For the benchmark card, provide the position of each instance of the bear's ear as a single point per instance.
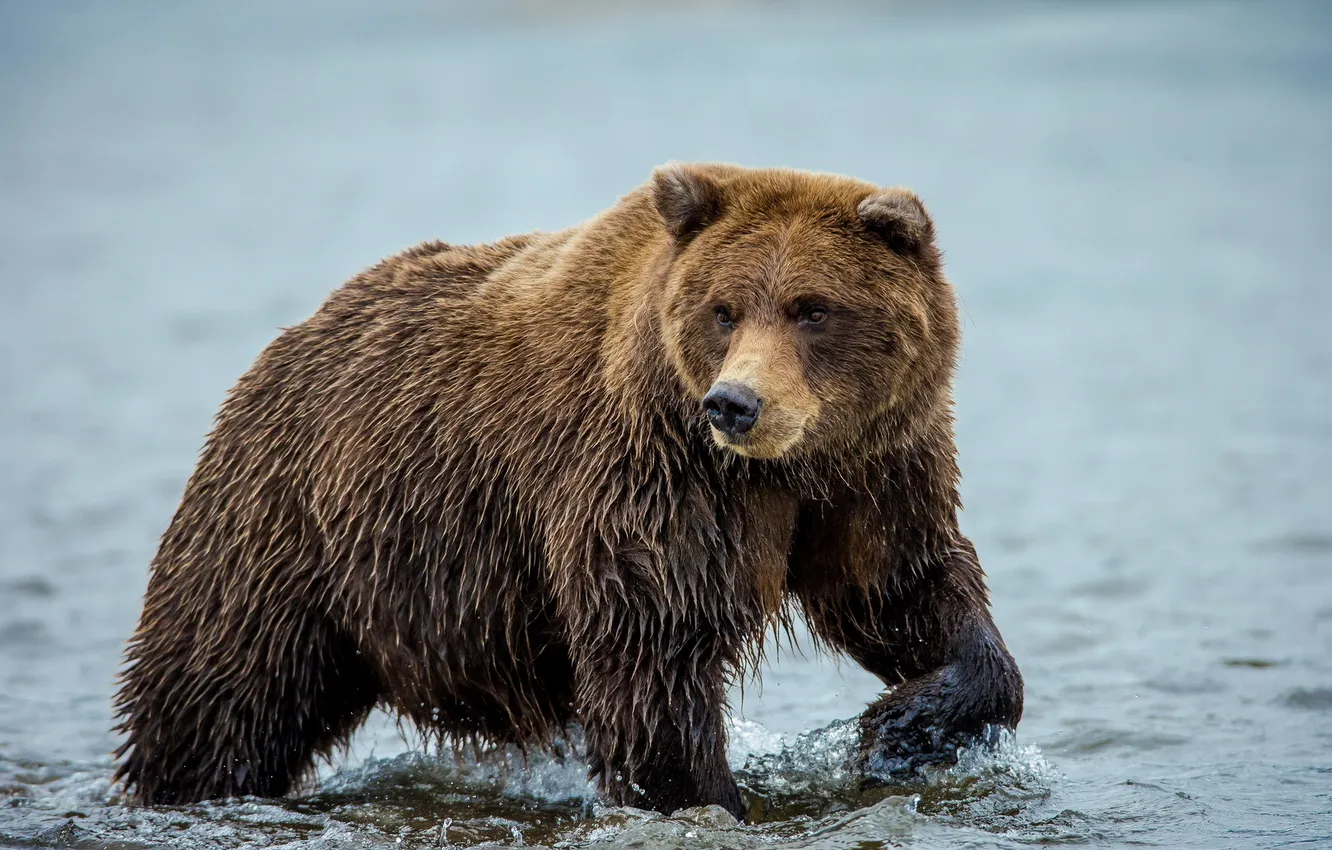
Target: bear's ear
(686, 199)
(899, 218)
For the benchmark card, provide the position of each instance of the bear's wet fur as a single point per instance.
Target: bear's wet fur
(479, 488)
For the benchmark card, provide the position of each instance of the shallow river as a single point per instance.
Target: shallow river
(1136, 201)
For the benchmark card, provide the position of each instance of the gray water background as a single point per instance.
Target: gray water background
(1136, 204)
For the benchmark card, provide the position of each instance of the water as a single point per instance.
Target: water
(1135, 200)
(800, 795)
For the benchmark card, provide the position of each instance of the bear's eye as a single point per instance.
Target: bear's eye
(814, 316)
(724, 317)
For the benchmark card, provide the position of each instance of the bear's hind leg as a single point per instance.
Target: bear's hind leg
(237, 707)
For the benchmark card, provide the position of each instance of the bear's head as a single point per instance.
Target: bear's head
(805, 313)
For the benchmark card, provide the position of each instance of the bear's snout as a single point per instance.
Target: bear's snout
(732, 408)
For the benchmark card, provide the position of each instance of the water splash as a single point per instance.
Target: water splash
(558, 776)
(810, 768)
(802, 792)
(999, 787)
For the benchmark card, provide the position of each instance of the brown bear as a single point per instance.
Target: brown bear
(575, 477)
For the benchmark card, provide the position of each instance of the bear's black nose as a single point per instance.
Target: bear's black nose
(732, 408)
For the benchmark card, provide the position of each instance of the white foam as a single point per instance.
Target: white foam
(1017, 764)
(811, 762)
(538, 775)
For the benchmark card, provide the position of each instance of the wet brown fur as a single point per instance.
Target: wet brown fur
(476, 488)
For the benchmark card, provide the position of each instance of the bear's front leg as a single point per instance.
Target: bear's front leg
(651, 697)
(927, 719)
(930, 636)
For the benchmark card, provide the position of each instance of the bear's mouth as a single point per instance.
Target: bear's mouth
(739, 445)
(753, 445)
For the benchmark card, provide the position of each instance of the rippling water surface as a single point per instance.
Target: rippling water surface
(799, 793)
(1136, 202)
